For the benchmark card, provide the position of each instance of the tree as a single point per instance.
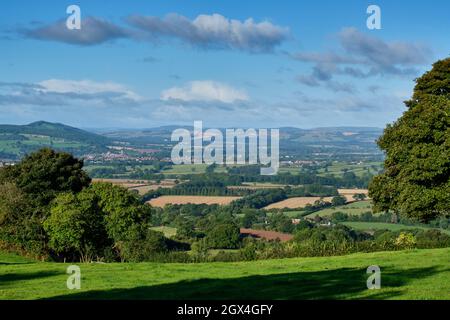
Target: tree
(338, 201)
(416, 179)
(76, 224)
(124, 213)
(359, 196)
(45, 173)
(224, 236)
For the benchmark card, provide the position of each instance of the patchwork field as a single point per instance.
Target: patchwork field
(300, 202)
(163, 200)
(411, 274)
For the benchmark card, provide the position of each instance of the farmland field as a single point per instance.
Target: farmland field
(354, 208)
(296, 202)
(141, 186)
(410, 274)
(338, 168)
(163, 200)
(168, 232)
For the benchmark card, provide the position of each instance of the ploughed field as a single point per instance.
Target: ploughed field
(409, 274)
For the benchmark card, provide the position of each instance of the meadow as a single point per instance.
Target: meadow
(354, 208)
(371, 226)
(409, 274)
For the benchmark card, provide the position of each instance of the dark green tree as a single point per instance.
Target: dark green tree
(416, 178)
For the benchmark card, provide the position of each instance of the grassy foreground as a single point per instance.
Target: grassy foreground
(412, 274)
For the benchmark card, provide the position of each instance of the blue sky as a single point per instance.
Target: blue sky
(137, 64)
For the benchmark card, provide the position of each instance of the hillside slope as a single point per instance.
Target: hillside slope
(17, 140)
(411, 274)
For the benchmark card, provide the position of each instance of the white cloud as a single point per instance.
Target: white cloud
(214, 31)
(205, 91)
(87, 87)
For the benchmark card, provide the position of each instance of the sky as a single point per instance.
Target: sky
(228, 63)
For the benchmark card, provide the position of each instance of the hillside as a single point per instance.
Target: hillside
(410, 274)
(17, 140)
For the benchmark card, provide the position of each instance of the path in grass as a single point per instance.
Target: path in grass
(416, 274)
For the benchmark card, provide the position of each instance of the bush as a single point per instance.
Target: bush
(140, 248)
(405, 240)
(224, 236)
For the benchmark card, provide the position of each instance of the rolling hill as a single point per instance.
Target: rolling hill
(18, 140)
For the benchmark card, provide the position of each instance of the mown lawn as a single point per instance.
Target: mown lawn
(414, 274)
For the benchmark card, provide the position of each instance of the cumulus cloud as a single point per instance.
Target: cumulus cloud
(362, 56)
(93, 31)
(214, 31)
(205, 91)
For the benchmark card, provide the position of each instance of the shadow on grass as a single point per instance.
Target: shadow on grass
(341, 283)
(9, 278)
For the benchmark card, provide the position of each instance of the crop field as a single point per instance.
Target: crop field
(300, 202)
(296, 202)
(410, 274)
(163, 200)
(141, 186)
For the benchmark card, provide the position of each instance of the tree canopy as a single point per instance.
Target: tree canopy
(416, 179)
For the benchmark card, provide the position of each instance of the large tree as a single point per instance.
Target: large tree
(416, 179)
(45, 173)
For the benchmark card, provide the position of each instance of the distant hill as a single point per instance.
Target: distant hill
(349, 143)
(340, 143)
(18, 140)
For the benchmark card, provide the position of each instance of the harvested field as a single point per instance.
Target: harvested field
(142, 186)
(267, 235)
(297, 202)
(163, 200)
(353, 191)
(349, 193)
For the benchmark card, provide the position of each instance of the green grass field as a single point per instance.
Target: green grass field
(413, 274)
(338, 168)
(368, 226)
(355, 208)
(168, 232)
